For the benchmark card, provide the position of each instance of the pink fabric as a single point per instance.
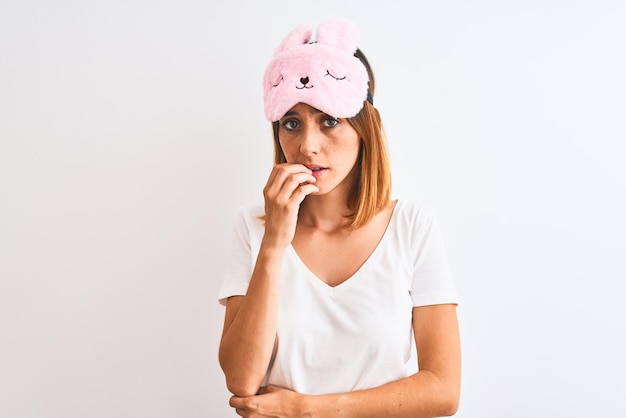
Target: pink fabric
(324, 74)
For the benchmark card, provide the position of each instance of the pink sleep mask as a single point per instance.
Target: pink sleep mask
(324, 74)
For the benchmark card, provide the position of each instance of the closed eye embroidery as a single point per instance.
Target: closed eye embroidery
(336, 78)
(278, 82)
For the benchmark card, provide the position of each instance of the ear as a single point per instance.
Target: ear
(299, 36)
(339, 33)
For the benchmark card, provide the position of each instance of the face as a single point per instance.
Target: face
(327, 146)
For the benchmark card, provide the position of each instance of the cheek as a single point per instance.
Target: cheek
(288, 149)
(350, 145)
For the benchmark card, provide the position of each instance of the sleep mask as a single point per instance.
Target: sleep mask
(324, 73)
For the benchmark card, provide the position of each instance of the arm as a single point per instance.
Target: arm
(431, 392)
(249, 330)
(249, 333)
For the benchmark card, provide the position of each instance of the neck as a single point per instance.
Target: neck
(328, 212)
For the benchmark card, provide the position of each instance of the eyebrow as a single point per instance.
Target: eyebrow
(295, 112)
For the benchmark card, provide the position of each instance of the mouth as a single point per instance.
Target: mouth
(316, 171)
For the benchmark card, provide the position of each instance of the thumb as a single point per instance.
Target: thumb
(268, 389)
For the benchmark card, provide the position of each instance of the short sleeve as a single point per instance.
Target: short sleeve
(239, 262)
(432, 282)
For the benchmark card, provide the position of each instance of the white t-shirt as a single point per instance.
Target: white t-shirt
(358, 334)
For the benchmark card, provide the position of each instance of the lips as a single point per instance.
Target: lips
(316, 170)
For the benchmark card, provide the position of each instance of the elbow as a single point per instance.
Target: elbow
(448, 407)
(448, 402)
(239, 384)
(242, 387)
(445, 394)
(240, 381)
(445, 406)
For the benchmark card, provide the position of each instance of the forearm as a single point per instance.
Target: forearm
(248, 341)
(432, 392)
(418, 396)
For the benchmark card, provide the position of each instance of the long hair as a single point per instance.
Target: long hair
(371, 189)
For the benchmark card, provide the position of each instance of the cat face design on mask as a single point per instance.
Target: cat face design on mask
(324, 74)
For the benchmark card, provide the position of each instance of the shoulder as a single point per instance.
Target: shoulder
(416, 223)
(251, 211)
(249, 219)
(410, 212)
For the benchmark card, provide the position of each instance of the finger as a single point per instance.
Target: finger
(296, 180)
(284, 170)
(303, 191)
(281, 175)
(286, 184)
(238, 402)
(296, 167)
(270, 388)
(267, 389)
(289, 168)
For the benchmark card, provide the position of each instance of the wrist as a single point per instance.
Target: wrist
(322, 406)
(308, 406)
(273, 245)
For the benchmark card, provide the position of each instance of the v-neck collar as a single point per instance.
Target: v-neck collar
(354, 277)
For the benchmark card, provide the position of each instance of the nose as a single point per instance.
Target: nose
(304, 80)
(311, 140)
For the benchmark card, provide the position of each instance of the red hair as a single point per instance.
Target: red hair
(371, 190)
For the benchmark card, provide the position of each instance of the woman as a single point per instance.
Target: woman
(330, 279)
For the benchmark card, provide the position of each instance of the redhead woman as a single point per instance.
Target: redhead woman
(330, 281)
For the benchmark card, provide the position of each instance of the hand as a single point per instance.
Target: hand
(286, 188)
(273, 402)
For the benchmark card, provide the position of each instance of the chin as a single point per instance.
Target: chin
(322, 191)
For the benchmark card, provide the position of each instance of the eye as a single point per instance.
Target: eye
(330, 122)
(291, 124)
(335, 77)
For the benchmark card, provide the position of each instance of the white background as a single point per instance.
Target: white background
(131, 131)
